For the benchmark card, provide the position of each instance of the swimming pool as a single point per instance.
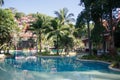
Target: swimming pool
(55, 68)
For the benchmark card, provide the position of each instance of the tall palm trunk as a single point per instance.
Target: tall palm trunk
(104, 43)
(37, 42)
(40, 42)
(57, 46)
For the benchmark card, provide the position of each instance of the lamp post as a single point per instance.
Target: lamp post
(103, 37)
(89, 34)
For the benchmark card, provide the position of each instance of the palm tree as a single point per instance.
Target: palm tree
(56, 31)
(39, 25)
(1, 2)
(67, 42)
(59, 25)
(64, 17)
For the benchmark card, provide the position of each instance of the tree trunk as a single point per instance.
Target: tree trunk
(37, 41)
(89, 40)
(57, 46)
(103, 37)
(37, 45)
(112, 46)
(40, 43)
(104, 44)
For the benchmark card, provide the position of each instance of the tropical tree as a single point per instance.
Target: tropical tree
(84, 19)
(59, 26)
(56, 31)
(7, 24)
(67, 42)
(117, 35)
(39, 26)
(102, 9)
(95, 11)
(64, 16)
(18, 15)
(81, 24)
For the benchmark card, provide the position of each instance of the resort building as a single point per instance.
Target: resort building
(106, 35)
(25, 37)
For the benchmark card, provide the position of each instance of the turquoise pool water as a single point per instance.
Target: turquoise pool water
(56, 64)
(55, 68)
(55, 50)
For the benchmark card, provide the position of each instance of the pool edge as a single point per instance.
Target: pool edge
(110, 67)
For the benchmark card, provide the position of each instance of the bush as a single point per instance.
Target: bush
(89, 57)
(118, 49)
(115, 64)
(107, 58)
(8, 55)
(94, 51)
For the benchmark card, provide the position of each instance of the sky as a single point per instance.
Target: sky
(44, 6)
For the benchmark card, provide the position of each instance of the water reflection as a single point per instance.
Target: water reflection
(55, 69)
(47, 64)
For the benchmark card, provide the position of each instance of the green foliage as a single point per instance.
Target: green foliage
(115, 64)
(64, 16)
(35, 15)
(107, 58)
(7, 18)
(117, 35)
(81, 26)
(94, 51)
(89, 57)
(99, 9)
(39, 26)
(66, 42)
(18, 15)
(56, 30)
(41, 22)
(45, 53)
(60, 27)
(96, 34)
(118, 49)
(7, 24)
(8, 55)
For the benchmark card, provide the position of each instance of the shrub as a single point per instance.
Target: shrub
(115, 64)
